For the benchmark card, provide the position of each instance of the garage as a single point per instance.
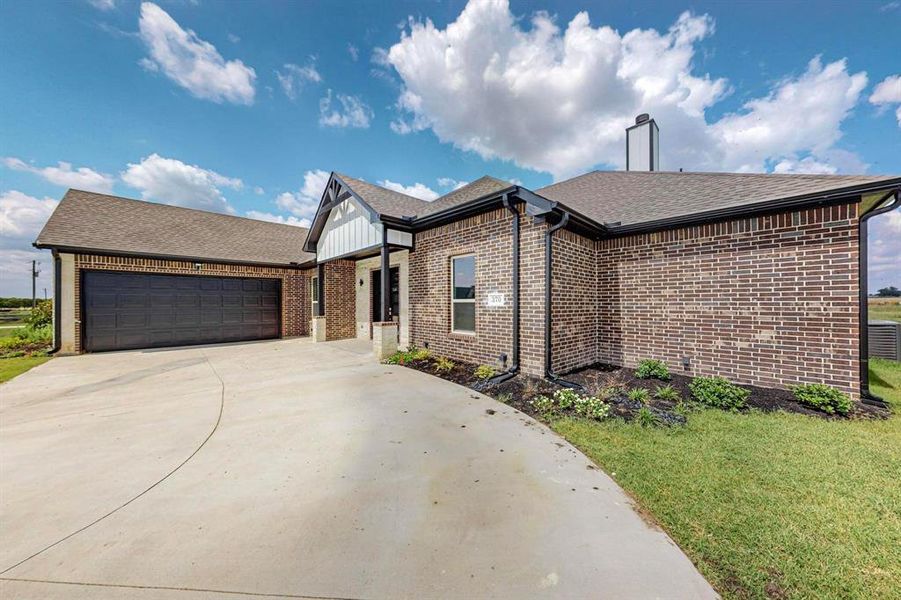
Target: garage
(124, 310)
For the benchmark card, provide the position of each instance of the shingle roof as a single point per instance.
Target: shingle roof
(86, 220)
(631, 197)
(471, 191)
(385, 201)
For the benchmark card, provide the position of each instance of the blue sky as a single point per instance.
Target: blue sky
(244, 107)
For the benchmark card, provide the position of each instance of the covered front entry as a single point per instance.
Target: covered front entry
(369, 293)
(375, 295)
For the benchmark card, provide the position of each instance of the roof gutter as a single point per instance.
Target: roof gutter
(866, 396)
(848, 194)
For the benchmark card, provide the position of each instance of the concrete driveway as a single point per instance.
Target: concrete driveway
(293, 469)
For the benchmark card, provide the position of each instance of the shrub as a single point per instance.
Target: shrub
(504, 398)
(822, 397)
(565, 398)
(645, 417)
(668, 393)
(41, 315)
(652, 369)
(403, 357)
(639, 395)
(484, 372)
(443, 365)
(27, 339)
(719, 392)
(591, 407)
(544, 405)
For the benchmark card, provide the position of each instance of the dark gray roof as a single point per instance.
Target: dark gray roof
(471, 191)
(385, 201)
(631, 197)
(90, 221)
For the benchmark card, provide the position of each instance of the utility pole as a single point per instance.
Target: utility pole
(34, 283)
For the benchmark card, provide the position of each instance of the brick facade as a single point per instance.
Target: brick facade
(769, 301)
(340, 300)
(295, 286)
(488, 237)
(574, 324)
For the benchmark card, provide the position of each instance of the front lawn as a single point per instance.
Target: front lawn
(11, 367)
(769, 504)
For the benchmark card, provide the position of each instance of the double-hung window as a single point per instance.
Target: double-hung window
(314, 295)
(463, 294)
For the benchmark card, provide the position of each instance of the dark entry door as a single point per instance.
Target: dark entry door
(140, 310)
(376, 293)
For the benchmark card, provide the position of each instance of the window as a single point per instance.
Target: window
(314, 295)
(463, 294)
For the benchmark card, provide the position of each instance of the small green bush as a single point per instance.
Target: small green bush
(652, 369)
(822, 397)
(544, 405)
(639, 395)
(443, 365)
(565, 398)
(645, 417)
(41, 315)
(403, 357)
(719, 392)
(27, 338)
(484, 372)
(504, 398)
(668, 393)
(591, 407)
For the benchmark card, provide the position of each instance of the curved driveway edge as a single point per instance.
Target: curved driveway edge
(329, 476)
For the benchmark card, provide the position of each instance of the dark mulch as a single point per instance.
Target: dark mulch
(522, 389)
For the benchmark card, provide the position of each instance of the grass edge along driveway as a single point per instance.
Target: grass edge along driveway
(769, 505)
(13, 367)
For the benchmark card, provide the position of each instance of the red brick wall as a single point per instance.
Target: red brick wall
(769, 301)
(574, 302)
(294, 284)
(340, 300)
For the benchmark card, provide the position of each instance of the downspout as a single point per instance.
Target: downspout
(57, 285)
(866, 396)
(548, 284)
(514, 368)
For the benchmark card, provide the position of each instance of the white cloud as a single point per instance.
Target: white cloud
(63, 174)
(884, 249)
(191, 62)
(304, 202)
(21, 219)
(417, 190)
(264, 216)
(353, 51)
(559, 99)
(103, 4)
(888, 92)
(454, 184)
(295, 77)
(234, 39)
(353, 112)
(171, 181)
(807, 165)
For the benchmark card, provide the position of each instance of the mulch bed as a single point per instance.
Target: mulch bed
(519, 391)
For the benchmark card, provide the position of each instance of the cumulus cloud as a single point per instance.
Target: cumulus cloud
(417, 190)
(21, 219)
(559, 99)
(191, 62)
(171, 181)
(304, 202)
(808, 165)
(888, 92)
(453, 184)
(265, 216)
(353, 112)
(63, 174)
(295, 77)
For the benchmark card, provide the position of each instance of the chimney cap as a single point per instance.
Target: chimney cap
(642, 118)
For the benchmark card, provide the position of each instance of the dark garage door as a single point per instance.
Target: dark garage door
(138, 310)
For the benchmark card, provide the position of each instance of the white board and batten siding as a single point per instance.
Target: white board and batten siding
(349, 229)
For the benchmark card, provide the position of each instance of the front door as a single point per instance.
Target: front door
(376, 296)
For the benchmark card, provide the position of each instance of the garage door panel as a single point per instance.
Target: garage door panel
(140, 310)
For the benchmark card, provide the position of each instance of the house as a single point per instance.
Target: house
(756, 277)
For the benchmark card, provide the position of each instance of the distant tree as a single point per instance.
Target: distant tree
(889, 292)
(15, 302)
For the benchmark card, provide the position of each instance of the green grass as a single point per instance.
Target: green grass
(770, 504)
(11, 367)
(884, 311)
(8, 332)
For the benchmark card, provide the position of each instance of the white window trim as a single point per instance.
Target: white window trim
(314, 296)
(462, 300)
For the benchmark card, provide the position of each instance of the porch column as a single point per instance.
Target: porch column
(384, 333)
(318, 326)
